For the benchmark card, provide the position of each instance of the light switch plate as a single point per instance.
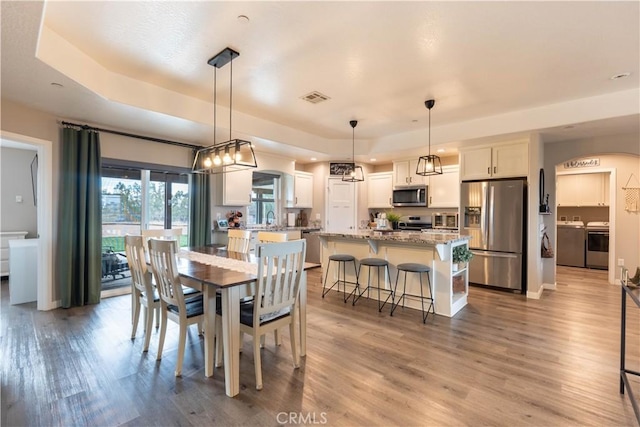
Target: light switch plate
(18, 199)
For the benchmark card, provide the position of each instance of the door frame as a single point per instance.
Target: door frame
(44, 212)
(611, 269)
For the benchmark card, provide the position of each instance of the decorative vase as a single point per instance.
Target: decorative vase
(457, 266)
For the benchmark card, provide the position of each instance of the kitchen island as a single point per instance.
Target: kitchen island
(450, 282)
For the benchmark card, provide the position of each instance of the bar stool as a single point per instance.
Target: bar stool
(342, 260)
(411, 267)
(377, 263)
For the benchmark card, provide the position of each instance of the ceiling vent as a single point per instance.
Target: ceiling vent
(315, 97)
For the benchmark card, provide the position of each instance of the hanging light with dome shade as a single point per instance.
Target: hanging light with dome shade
(429, 164)
(354, 173)
(234, 154)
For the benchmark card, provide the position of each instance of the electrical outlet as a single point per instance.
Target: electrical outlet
(621, 262)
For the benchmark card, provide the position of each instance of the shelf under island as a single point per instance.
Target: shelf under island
(450, 284)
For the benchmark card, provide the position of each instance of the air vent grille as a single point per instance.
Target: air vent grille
(315, 97)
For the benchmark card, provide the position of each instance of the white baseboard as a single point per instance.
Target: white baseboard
(538, 294)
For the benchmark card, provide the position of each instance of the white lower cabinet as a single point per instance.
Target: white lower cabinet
(5, 236)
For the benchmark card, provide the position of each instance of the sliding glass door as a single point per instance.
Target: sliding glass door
(133, 200)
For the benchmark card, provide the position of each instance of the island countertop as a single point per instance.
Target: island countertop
(426, 238)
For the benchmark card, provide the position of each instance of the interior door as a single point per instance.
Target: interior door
(341, 206)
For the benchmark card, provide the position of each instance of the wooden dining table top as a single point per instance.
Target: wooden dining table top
(219, 276)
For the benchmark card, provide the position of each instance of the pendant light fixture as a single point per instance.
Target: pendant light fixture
(355, 174)
(429, 164)
(231, 155)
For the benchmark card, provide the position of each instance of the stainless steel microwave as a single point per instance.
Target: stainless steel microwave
(410, 196)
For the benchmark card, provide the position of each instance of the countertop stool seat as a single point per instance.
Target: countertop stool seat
(376, 263)
(341, 260)
(412, 267)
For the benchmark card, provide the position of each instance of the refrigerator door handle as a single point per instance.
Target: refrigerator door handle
(494, 254)
(490, 218)
(483, 216)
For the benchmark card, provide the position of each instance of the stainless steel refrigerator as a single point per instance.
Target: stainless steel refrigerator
(494, 216)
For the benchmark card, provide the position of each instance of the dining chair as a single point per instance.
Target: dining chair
(280, 269)
(144, 293)
(239, 241)
(271, 237)
(174, 305)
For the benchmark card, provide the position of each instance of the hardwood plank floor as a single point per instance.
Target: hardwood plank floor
(502, 361)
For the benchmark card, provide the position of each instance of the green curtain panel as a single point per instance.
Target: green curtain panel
(200, 210)
(79, 254)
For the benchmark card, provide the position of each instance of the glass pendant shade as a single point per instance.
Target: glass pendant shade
(429, 164)
(356, 173)
(237, 153)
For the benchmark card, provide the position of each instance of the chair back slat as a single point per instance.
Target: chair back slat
(280, 268)
(162, 254)
(162, 234)
(140, 275)
(239, 241)
(271, 237)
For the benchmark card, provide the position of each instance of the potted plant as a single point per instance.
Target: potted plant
(393, 219)
(461, 256)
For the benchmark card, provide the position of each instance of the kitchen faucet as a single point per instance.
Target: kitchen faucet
(273, 219)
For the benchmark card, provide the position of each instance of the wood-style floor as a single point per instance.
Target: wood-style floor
(502, 361)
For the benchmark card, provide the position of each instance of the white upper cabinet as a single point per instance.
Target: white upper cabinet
(379, 189)
(404, 174)
(236, 187)
(303, 185)
(499, 161)
(444, 190)
(586, 189)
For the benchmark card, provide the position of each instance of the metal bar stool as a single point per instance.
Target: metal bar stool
(377, 263)
(342, 260)
(411, 267)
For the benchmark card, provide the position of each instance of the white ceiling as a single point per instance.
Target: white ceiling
(495, 69)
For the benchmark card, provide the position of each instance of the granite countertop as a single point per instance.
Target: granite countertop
(275, 228)
(427, 238)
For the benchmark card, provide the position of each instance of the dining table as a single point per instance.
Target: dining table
(211, 269)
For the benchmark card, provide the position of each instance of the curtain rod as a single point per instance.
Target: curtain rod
(132, 135)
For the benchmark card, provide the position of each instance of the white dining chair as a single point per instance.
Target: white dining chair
(280, 269)
(143, 291)
(239, 241)
(272, 237)
(174, 305)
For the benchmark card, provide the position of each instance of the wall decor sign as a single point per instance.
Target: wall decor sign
(581, 163)
(340, 168)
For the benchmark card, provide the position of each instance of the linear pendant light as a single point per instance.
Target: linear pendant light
(231, 155)
(356, 174)
(429, 164)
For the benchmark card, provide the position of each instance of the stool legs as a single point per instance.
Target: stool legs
(430, 308)
(326, 290)
(368, 288)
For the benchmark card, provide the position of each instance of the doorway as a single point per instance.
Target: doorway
(341, 206)
(44, 207)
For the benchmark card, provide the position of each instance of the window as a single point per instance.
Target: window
(264, 193)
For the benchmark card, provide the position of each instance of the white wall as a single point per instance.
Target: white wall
(15, 181)
(620, 153)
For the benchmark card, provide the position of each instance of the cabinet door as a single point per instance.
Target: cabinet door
(444, 190)
(404, 173)
(593, 189)
(401, 174)
(379, 189)
(510, 160)
(475, 163)
(303, 190)
(236, 187)
(565, 190)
